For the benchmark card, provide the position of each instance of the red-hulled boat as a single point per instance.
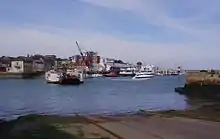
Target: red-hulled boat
(111, 74)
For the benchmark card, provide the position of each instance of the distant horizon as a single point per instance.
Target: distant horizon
(162, 33)
(144, 63)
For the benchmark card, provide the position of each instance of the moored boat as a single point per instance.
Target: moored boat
(111, 74)
(71, 80)
(52, 76)
(58, 77)
(127, 73)
(93, 75)
(143, 75)
(96, 75)
(159, 74)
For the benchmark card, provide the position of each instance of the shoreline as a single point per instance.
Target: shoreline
(99, 126)
(197, 110)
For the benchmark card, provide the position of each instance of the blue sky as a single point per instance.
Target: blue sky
(162, 32)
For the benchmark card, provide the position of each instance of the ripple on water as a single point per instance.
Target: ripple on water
(95, 96)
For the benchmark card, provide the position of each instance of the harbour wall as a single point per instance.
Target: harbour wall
(202, 85)
(8, 75)
(203, 78)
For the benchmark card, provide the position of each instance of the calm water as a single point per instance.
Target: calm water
(95, 96)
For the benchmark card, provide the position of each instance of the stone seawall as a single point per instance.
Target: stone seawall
(202, 85)
(202, 78)
(7, 75)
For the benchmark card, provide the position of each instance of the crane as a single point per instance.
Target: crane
(81, 53)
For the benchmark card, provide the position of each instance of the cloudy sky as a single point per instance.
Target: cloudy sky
(162, 32)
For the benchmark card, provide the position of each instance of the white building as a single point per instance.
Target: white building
(21, 66)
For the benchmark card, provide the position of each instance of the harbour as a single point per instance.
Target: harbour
(95, 96)
(94, 69)
(106, 97)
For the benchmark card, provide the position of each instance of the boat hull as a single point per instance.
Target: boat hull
(70, 81)
(111, 74)
(143, 77)
(127, 75)
(66, 81)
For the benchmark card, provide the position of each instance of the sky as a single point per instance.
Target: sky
(166, 33)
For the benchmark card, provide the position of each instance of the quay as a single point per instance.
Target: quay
(7, 75)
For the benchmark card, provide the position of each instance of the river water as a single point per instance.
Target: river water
(95, 96)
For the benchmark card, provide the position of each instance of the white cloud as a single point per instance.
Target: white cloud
(157, 13)
(37, 39)
(117, 4)
(62, 42)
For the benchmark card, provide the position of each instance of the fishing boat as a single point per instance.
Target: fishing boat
(58, 77)
(143, 75)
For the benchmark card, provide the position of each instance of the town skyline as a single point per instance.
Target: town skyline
(162, 33)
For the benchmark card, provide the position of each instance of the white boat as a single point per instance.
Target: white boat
(143, 75)
(127, 72)
(77, 73)
(93, 75)
(80, 75)
(52, 76)
(159, 74)
(96, 75)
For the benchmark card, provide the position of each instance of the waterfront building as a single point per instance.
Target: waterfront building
(21, 66)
